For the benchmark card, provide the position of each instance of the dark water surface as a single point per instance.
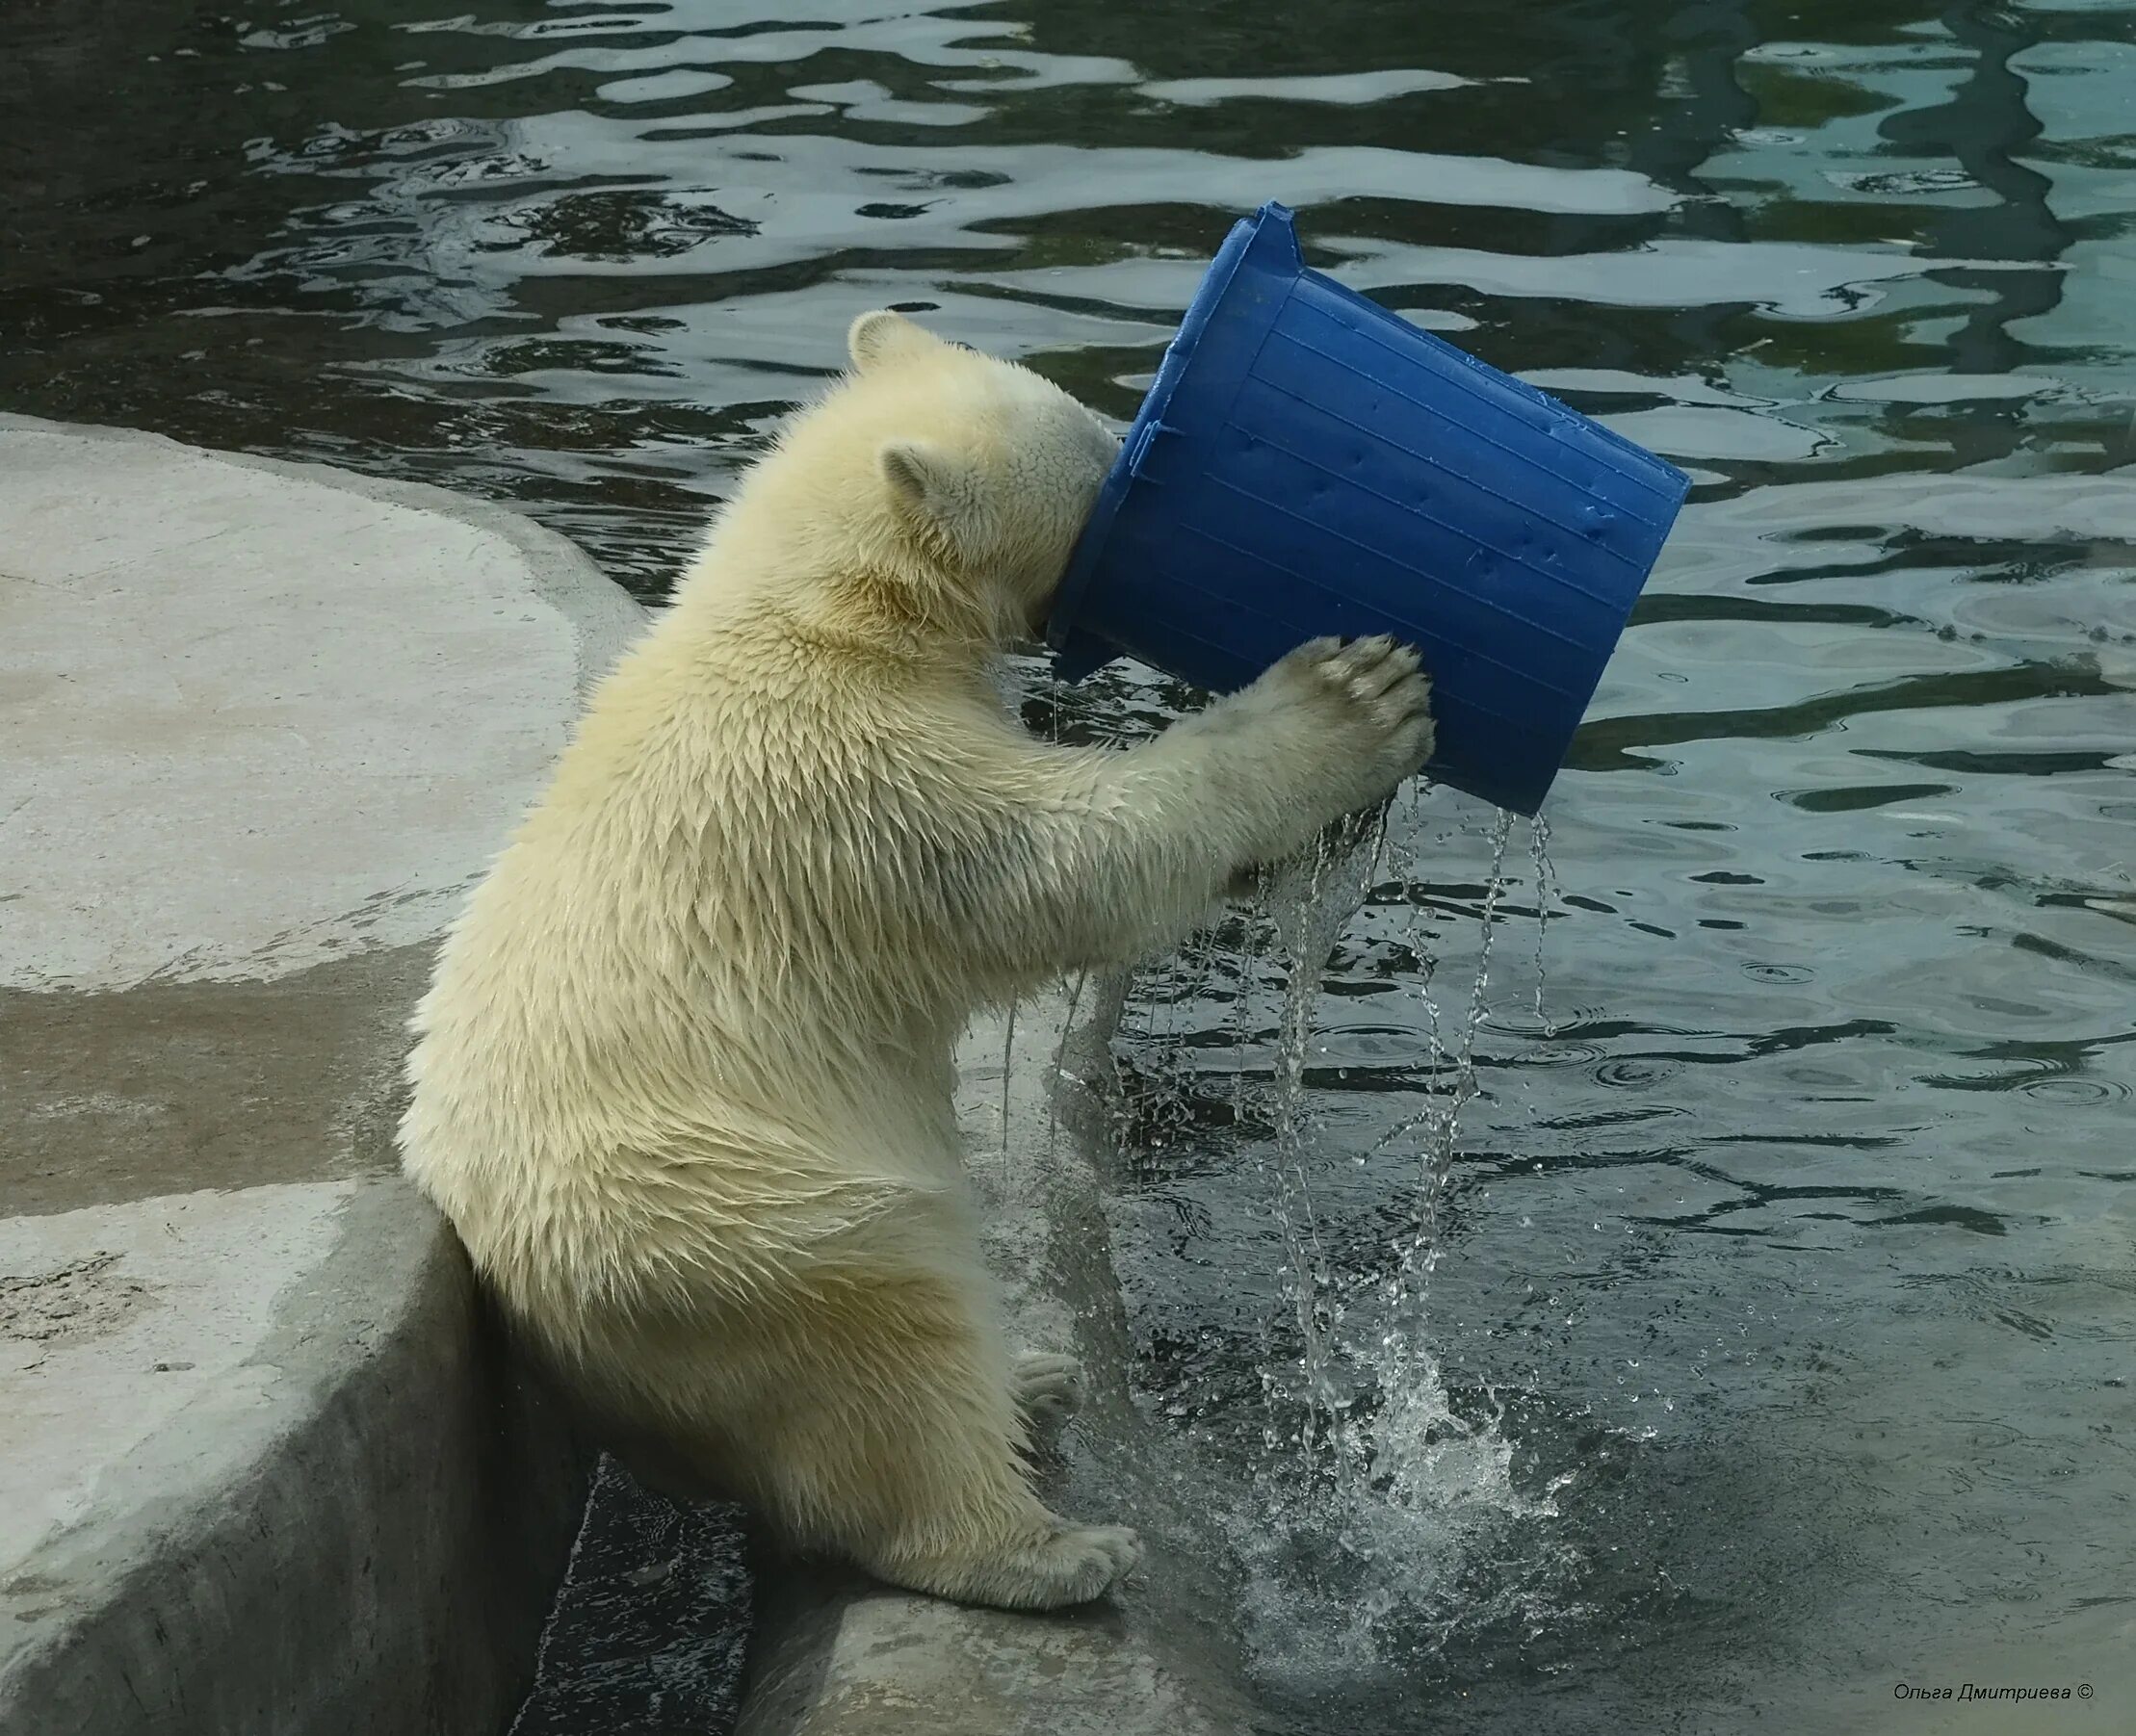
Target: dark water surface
(1784, 1301)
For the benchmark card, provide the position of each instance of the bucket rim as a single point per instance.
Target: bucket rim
(1062, 635)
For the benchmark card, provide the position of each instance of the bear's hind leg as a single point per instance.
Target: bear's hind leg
(898, 1443)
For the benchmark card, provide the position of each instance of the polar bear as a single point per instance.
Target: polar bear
(683, 1079)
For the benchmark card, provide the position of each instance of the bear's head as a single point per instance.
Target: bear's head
(984, 471)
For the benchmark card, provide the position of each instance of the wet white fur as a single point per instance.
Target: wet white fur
(684, 1078)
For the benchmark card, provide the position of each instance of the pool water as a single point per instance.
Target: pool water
(1777, 1336)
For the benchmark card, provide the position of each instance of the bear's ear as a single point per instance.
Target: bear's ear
(932, 487)
(883, 336)
(922, 476)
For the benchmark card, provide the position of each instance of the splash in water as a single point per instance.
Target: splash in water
(1386, 1494)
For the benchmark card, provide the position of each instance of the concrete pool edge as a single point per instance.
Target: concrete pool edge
(835, 1654)
(267, 1467)
(360, 1533)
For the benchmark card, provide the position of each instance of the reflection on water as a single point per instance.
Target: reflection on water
(1789, 1254)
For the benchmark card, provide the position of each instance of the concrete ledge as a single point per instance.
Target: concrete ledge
(351, 1524)
(260, 716)
(265, 1469)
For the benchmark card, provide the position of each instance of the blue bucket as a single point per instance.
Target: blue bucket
(1309, 463)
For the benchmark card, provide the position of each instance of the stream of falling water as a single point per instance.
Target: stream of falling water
(1311, 900)
(1377, 1514)
(1380, 1487)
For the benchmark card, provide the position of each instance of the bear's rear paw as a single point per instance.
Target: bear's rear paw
(1048, 1388)
(1080, 1564)
(1070, 1565)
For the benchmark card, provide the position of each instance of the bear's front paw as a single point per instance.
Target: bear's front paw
(1364, 708)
